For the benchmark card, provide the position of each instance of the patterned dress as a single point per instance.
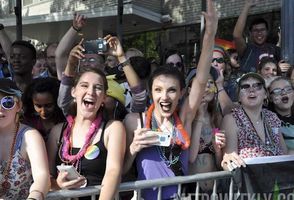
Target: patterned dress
(250, 144)
(20, 175)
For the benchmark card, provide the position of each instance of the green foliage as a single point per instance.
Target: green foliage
(145, 42)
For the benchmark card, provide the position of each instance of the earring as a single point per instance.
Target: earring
(265, 102)
(74, 100)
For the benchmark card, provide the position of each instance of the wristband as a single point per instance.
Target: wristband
(76, 29)
(1, 27)
(220, 90)
(123, 64)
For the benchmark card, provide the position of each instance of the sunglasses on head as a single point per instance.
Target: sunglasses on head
(7, 102)
(218, 60)
(279, 91)
(255, 86)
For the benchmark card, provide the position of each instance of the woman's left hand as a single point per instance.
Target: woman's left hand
(219, 141)
(115, 47)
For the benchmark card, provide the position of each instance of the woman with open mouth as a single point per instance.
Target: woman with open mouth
(281, 102)
(251, 130)
(159, 138)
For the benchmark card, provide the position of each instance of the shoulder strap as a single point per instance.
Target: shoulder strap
(61, 133)
(19, 138)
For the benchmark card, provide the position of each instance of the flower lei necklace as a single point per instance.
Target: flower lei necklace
(67, 134)
(184, 145)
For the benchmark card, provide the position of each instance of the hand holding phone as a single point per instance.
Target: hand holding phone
(71, 170)
(164, 138)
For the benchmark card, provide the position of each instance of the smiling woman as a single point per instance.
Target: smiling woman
(251, 130)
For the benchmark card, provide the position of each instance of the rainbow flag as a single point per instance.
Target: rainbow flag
(225, 44)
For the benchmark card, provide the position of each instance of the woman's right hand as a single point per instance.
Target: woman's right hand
(76, 54)
(64, 183)
(142, 139)
(232, 161)
(78, 21)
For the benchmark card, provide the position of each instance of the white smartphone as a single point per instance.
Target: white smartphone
(71, 170)
(164, 138)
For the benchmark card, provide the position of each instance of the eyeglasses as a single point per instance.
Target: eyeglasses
(279, 91)
(218, 60)
(90, 60)
(255, 86)
(7, 102)
(178, 65)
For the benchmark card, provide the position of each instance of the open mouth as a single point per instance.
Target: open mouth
(285, 99)
(166, 107)
(88, 103)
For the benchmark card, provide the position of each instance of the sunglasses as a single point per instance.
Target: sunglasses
(178, 65)
(8, 102)
(279, 91)
(218, 60)
(255, 86)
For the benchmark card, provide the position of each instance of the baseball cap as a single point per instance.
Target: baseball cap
(251, 75)
(8, 86)
(115, 90)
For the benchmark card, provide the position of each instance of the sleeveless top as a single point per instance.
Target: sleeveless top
(20, 174)
(249, 143)
(287, 130)
(91, 165)
(151, 166)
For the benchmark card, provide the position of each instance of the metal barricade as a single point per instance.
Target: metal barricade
(137, 186)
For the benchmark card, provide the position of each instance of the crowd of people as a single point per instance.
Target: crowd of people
(114, 116)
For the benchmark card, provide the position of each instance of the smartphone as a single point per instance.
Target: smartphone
(98, 46)
(71, 170)
(164, 138)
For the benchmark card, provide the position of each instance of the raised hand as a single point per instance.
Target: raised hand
(250, 3)
(211, 18)
(79, 21)
(115, 47)
(76, 54)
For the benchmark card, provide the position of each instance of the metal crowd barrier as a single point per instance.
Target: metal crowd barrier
(137, 186)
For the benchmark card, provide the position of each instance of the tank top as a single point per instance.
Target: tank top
(20, 174)
(90, 166)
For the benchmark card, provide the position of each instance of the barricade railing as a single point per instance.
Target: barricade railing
(137, 186)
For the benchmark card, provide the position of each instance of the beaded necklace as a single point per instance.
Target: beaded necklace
(170, 155)
(5, 184)
(178, 124)
(67, 156)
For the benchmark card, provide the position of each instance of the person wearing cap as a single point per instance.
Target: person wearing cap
(251, 130)
(24, 163)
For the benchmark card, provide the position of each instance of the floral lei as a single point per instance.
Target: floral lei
(67, 134)
(184, 145)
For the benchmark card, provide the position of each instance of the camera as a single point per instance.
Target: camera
(164, 138)
(6, 70)
(98, 46)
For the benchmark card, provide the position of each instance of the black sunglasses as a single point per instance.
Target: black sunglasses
(7, 102)
(255, 86)
(218, 60)
(279, 91)
(178, 65)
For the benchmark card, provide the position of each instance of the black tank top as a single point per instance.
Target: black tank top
(93, 169)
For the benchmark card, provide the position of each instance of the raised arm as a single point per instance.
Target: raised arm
(67, 42)
(139, 92)
(64, 96)
(240, 26)
(199, 82)
(5, 42)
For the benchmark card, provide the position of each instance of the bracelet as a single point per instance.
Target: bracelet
(123, 64)
(41, 193)
(1, 27)
(220, 90)
(76, 29)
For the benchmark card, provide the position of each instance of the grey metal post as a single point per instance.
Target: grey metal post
(287, 30)
(18, 13)
(120, 12)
